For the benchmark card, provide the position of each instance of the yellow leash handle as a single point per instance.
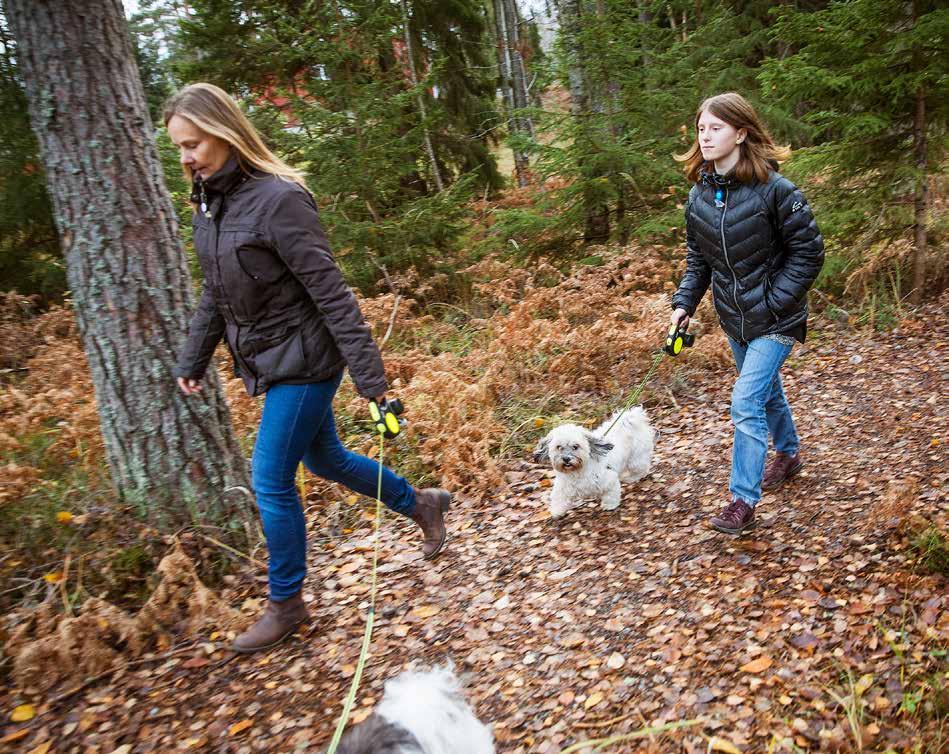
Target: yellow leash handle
(385, 417)
(677, 339)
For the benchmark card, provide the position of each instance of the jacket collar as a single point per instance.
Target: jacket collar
(225, 180)
(708, 177)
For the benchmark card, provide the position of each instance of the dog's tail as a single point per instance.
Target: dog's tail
(630, 418)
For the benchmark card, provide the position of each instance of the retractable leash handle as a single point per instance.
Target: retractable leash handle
(385, 417)
(677, 339)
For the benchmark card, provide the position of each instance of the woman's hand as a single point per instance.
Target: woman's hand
(380, 399)
(189, 386)
(680, 317)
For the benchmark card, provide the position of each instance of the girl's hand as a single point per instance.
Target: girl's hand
(189, 386)
(680, 317)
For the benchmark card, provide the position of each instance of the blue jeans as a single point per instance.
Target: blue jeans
(298, 424)
(759, 408)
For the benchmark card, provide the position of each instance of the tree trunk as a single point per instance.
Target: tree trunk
(513, 80)
(176, 458)
(420, 99)
(921, 200)
(597, 220)
(921, 194)
(568, 12)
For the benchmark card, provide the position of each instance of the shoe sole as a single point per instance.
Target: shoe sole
(444, 504)
(787, 477)
(735, 532)
(263, 648)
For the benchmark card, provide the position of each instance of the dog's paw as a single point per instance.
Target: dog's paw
(558, 509)
(609, 505)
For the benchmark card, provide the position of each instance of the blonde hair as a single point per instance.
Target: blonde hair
(214, 111)
(759, 154)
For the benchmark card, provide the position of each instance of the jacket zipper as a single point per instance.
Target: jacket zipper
(741, 314)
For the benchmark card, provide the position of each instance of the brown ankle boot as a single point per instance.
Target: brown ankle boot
(781, 468)
(737, 518)
(429, 506)
(277, 623)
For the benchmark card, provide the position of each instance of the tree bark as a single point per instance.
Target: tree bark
(513, 79)
(921, 200)
(921, 193)
(176, 458)
(420, 99)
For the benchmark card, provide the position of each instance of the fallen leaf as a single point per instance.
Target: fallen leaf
(426, 611)
(23, 713)
(54, 577)
(195, 662)
(64, 517)
(806, 641)
(756, 666)
(722, 744)
(616, 661)
(594, 699)
(238, 727)
(43, 748)
(16, 735)
(861, 686)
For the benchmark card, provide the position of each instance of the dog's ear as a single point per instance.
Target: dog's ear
(598, 446)
(542, 451)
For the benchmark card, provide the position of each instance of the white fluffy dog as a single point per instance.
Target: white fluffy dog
(421, 712)
(592, 464)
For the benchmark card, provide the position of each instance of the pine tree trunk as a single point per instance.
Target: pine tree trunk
(420, 99)
(597, 222)
(568, 12)
(176, 458)
(921, 197)
(513, 80)
(921, 200)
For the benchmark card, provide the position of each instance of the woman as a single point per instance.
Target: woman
(751, 235)
(274, 293)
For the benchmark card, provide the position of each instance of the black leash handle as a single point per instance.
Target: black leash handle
(677, 339)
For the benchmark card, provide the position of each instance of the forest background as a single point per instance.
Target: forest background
(497, 180)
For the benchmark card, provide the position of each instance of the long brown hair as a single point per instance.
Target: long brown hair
(759, 153)
(213, 110)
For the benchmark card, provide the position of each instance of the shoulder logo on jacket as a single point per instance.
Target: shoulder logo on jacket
(797, 206)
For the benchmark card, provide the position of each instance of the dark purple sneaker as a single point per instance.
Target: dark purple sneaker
(737, 518)
(781, 468)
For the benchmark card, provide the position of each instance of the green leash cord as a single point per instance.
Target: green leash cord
(370, 618)
(677, 339)
(637, 391)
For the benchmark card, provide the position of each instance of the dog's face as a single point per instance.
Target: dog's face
(569, 448)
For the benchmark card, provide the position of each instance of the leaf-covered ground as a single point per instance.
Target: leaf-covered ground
(821, 631)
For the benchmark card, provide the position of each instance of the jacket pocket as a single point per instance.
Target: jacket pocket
(275, 355)
(767, 300)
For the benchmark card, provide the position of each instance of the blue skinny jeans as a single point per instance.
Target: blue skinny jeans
(759, 408)
(298, 424)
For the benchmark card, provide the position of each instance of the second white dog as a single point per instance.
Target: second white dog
(593, 464)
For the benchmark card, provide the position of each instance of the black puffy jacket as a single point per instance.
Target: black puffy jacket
(759, 247)
(273, 290)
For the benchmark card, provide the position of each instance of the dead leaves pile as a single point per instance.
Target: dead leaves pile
(49, 648)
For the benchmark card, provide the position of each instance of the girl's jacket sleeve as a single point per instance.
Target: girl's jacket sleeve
(803, 248)
(698, 274)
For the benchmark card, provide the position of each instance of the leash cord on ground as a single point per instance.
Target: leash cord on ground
(634, 396)
(370, 618)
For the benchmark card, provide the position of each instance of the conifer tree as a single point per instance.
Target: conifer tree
(873, 77)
